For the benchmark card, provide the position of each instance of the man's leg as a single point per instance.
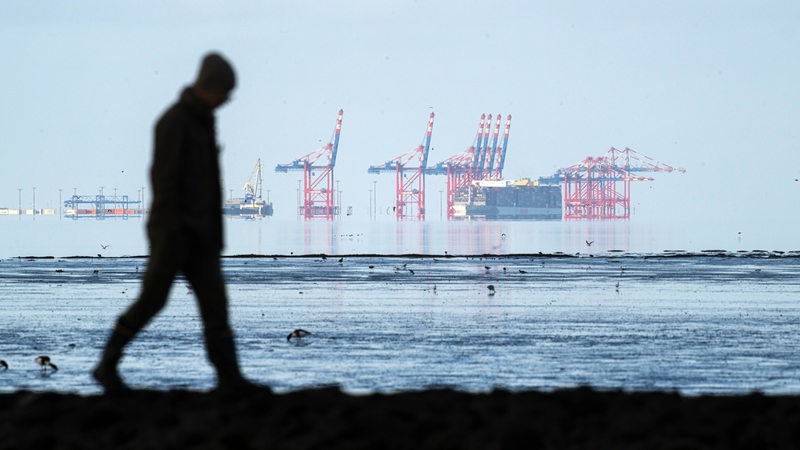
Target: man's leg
(165, 259)
(204, 272)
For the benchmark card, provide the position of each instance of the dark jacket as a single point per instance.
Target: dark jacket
(187, 193)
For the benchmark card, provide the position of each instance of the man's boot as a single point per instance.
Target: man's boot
(106, 373)
(222, 354)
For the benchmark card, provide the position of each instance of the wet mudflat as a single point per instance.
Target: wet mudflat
(718, 323)
(666, 350)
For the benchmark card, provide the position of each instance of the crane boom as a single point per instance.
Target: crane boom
(505, 147)
(318, 192)
(409, 187)
(490, 168)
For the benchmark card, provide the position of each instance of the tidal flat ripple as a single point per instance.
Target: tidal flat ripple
(707, 322)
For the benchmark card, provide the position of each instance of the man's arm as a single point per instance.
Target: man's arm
(166, 171)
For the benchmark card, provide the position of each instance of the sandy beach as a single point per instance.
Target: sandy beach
(327, 418)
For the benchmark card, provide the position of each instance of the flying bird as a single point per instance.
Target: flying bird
(105, 246)
(44, 362)
(298, 334)
(589, 243)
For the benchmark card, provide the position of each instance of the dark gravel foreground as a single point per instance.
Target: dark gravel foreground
(326, 418)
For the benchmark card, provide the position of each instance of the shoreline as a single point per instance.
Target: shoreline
(612, 254)
(437, 418)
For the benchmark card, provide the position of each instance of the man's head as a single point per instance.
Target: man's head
(215, 80)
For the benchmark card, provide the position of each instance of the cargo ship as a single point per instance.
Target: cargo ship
(251, 206)
(508, 200)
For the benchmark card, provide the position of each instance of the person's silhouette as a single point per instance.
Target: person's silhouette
(185, 227)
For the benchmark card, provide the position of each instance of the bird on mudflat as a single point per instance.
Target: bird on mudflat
(491, 289)
(298, 334)
(44, 362)
(3, 364)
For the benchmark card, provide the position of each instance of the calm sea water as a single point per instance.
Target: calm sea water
(706, 322)
(51, 236)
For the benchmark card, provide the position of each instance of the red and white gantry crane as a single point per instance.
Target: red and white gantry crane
(599, 188)
(317, 167)
(409, 180)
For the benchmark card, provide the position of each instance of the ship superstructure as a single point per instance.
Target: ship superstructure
(252, 205)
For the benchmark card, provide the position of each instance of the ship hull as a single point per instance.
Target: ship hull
(247, 210)
(507, 201)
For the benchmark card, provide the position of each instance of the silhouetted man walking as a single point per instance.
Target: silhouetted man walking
(185, 227)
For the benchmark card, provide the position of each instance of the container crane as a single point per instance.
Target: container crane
(599, 188)
(317, 167)
(493, 169)
(252, 187)
(480, 147)
(409, 181)
(462, 169)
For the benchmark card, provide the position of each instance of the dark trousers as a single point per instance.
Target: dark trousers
(170, 254)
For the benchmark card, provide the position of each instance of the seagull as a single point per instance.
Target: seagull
(523, 271)
(105, 246)
(491, 289)
(44, 362)
(589, 243)
(3, 364)
(298, 333)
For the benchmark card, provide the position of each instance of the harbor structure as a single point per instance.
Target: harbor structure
(102, 206)
(252, 205)
(409, 180)
(317, 167)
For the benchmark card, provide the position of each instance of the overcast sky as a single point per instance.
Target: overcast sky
(710, 86)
